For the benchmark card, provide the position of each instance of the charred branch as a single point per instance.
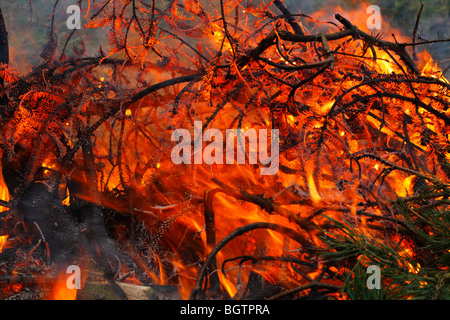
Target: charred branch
(4, 47)
(198, 293)
(289, 17)
(88, 145)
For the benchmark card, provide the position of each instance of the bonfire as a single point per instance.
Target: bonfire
(218, 150)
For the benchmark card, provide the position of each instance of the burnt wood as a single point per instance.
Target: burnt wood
(4, 48)
(45, 216)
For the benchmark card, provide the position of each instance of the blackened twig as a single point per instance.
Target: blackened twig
(313, 284)
(4, 53)
(4, 203)
(268, 258)
(210, 229)
(4, 48)
(197, 293)
(119, 105)
(415, 31)
(288, 16)
(398, 48)
(397, 167)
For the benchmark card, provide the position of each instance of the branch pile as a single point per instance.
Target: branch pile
(363, 152)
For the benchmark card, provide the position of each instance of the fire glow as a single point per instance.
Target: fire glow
(213, 153)
(339, 124)
(3, 240)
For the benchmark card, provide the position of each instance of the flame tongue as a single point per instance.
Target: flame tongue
(3, 240)
(315, 196)
(60, 290)
(360, 110)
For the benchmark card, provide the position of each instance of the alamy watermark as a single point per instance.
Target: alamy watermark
(74, 20)
(374, 280)
(74, 280)
(374, 21)
(214, 153)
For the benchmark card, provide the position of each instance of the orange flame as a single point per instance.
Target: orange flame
(315, 196)
(4, 192)
(2, 242)
(61, 291)
(229, 212)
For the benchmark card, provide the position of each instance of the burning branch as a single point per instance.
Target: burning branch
(197, 291)
(4, 47)
(88, 154)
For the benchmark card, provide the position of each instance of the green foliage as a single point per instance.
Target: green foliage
(356, 285)
(414, 267)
